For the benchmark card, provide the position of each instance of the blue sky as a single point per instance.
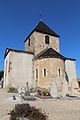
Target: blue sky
(19, 17)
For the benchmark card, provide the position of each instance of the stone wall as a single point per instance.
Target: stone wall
(6, 71)
(38, 43)
(19, 69)
(70, 66)
(52, 66)
(30, 48)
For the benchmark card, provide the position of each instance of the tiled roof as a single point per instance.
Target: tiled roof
(43, 28)
(49, 52)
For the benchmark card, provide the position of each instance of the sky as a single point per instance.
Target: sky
(19, 17)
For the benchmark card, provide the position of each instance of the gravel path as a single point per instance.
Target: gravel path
(56, 109)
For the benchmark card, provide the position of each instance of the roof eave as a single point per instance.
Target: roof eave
(73, 59)
(42, 57)
(40, 32)
(13, 50)
(47, 33)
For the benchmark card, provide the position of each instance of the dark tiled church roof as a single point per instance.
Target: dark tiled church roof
(49, 52)
(43, 28)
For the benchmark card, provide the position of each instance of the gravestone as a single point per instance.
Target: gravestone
(27, 92)
(53, 89)
(27, 95)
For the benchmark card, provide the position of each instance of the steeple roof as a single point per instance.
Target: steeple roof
(43, 28)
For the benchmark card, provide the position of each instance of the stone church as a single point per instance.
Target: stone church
(41, 64)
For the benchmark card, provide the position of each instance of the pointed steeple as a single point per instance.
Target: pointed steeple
(43, 28)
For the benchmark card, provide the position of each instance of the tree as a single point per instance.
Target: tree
(1, 74)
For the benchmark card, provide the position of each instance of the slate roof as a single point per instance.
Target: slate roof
(49, 52)
(43, 28)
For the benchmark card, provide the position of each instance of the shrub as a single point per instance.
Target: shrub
(13, 90)
(46, 92)
(67, 95)
(26, 111)
(39, 92)
(43, 92)
(1, 74)
(32, 90)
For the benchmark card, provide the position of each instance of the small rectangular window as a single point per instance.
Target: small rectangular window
(46, 39)
(29, 42)
(36, 73)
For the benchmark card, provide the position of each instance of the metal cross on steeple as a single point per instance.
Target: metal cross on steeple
(41, 16)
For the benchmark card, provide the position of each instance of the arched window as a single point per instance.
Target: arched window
(44, 72)
(46, 39)
(59, 72)
(36, 73)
